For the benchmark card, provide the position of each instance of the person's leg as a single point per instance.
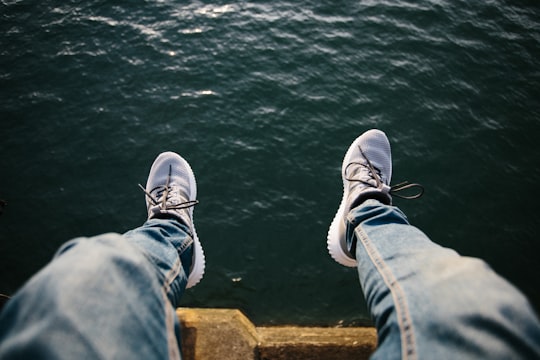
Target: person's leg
(429, 302)
(102, 297)
(113, 296)
(426, 301)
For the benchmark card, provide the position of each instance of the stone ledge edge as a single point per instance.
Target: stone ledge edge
(228, 334)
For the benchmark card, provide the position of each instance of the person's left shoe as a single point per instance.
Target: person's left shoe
(171, 191)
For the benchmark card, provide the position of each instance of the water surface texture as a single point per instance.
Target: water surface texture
(263, 99)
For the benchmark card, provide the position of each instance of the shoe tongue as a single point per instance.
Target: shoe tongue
(378, 159)
(362, 172)
(174, 194)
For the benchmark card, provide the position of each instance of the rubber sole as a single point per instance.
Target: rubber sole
(198, 265)
(336, 234)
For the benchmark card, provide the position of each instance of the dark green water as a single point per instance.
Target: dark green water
(263, 99)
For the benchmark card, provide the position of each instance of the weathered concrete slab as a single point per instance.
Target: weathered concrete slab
(217, 334)
(227, 334)
(291, 343)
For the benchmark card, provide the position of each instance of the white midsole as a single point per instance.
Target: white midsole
(337, 230)
(197, 267)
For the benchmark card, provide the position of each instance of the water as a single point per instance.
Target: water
(263, 99)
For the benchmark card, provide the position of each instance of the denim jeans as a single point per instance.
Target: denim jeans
(113, 297)
(428, 302)
(107, 297)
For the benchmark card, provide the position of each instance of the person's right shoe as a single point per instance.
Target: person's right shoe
(171, 192)
(366, 173)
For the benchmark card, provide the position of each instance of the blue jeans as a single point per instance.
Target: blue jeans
(113, 296)
(428, 302)
(107, 297)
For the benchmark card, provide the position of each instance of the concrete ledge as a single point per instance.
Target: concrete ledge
(227, 334)
(292, 342)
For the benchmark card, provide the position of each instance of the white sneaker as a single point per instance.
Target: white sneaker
(366, 174)
(171, 191)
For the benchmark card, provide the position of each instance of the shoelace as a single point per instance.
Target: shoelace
(163, 193)
(376, 175)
